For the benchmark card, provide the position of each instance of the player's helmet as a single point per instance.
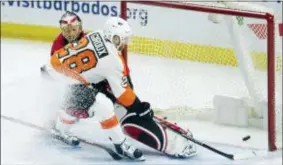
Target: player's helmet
(71, 26)
(117, 31)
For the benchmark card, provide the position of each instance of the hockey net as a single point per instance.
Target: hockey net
(225, 69)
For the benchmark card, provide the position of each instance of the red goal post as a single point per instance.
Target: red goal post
(270, 19)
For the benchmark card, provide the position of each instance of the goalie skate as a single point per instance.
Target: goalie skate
(70, 140)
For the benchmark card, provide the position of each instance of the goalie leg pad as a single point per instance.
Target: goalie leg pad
(157, 137)
(179, 146)
(147, 132)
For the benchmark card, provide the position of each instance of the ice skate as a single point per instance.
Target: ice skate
(70, 140)
(128, 151)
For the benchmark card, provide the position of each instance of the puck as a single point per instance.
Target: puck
(246, 138)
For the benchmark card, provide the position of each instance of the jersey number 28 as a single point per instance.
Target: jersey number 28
(80, 62)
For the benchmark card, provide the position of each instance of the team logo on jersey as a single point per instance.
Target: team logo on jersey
(98, 45)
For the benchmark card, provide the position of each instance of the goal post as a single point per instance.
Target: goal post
(232, 10)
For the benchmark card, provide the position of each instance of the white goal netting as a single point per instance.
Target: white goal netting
(210, 67)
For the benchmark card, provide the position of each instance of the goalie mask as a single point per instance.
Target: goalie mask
(71, 26)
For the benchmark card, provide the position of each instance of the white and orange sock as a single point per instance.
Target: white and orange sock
(104, 111)
(113, 129)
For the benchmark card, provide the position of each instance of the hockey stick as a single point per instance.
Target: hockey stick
(184, 133)
(108, 150)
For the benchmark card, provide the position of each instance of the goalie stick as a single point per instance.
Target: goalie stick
(108, 150)
(184, 133)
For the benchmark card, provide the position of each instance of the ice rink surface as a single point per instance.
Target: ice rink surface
(26, 96)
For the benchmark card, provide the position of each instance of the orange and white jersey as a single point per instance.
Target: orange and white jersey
(91, 60)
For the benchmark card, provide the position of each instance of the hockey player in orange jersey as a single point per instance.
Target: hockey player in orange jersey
(91, 61)
(94, 60)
